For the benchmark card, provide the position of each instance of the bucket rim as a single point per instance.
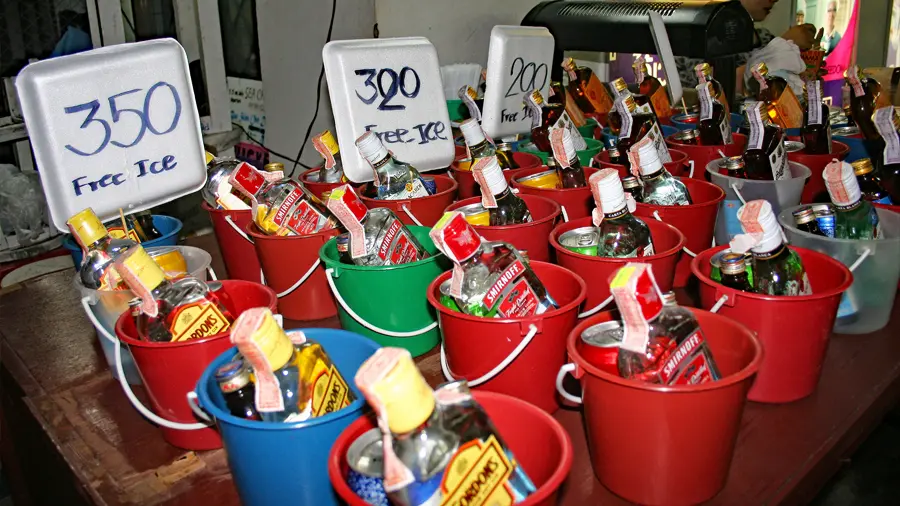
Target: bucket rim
(253, 230)
(230, 212)
(557, 211)
(692, 181)
(338, 266)
(178, 224)
(586, 221)
(434, 286)
(120, 321)
(550, 487)
(454, 186)
(679, 145)
(705, 255)
(716, 173)
(789, 223)
(454, 165)
(219, 414)
(542, 168)
(744, 374)
(844, 150)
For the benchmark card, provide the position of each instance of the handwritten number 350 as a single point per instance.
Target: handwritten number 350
(395, 82)
(116, 112)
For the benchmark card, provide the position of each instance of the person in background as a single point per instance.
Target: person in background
(832, 36)
(799, 17)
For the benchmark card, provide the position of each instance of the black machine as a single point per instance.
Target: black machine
(713, 30)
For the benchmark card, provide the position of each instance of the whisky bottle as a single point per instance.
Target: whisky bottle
(545, 117)
(99, 251)
(888, 125)
(864, 95)
(570, 171)
(588, 92)
(376, 236)
(764, 156)
(870, 183)
(854, 217)
(705, 75)
(622, 234)
(635, 126)
(394, 180)
(816, 132)
(504, 207)
(783, 106)
(660, 187)
(620, 89)
(715, 123)
(332, 170)
(560, 95)
(653, 88)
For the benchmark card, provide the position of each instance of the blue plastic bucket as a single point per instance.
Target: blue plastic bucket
(736, 121)
(167, 226)
(287, 463)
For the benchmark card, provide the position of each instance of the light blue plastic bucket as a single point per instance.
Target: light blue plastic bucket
(287, 463)
(167, 226)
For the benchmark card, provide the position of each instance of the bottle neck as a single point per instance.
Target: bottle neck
(482, 149)
(767, 252)
(617, 214)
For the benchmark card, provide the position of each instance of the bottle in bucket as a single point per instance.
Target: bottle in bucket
(715, 123)
(99, 251)
(777, 269)
(138, 227)
(440, 447)
(637, 125)
(653, 88)
(490, 279)
(734, 166)
(237, 389)
(622, 234)
(660, 187)
(733, 267)
(171, 310)
(218, 192)
(816, 132)
(715, 265)
(764, 156)
(854, 217)
(394, 180)
(293, 376)
(376, 236)
(586, 89)
(660, 343)
(689, 136)
(480, 146)
(505, 157)
(571, 174)
(620, 89)
(288, 208)
(864, 93)
(632, 185)
(332, 170)
(546, 117)
(558, 94)
(870, 184)
(781, 103)
(504, 207)
(805, 220)
(704, 73)
(888, 123)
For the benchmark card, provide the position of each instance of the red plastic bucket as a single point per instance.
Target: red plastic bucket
(468, 187)
(531, 237)
(427, 210)
(541, 446)
(293, 269)
(171, 370)
(815, 186)
(697, 221)
(679, 166)
(660, 445)
(316, 187)
(532, 348)
(577, 202)
(668, 242)
(237, 250)
(702, 155)
(793, 330)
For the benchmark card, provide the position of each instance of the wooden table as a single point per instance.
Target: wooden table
(69, 435)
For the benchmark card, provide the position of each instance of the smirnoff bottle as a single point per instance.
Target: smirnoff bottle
(377, 236)
(504, 207)
(870, 183)
(490, 279)
(888, 124)
(715, 123)
(588, 92)
(99, 251)
(218, 191)
(546, 117)
(332, 170)
(439, 446)
(764, 156)
(705, 75)
(864, 95)
(479, 145)
(660, 343)
(394, 179)
(660, 187)
(622, 234)
(171, 310)
(653, 88)
(783, 106)
(854, 216)
(571, 174)
(635, 126)
(777, 269)
(816, 132)
(294, 378)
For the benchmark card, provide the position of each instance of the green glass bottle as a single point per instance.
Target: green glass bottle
(777, 269)
(622, 234)
(854, 216)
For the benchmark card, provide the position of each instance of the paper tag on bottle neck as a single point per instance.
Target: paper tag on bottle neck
(559, 148)
(759, 79)
(630, 202)
(625, 116)
(833, 175)
(249, 181)
(456, 280)
(706, 106)
(488, 200)
(884, 122)
(753, 229)
(639, 300)
(339, 203)
(638, 67)
(855, 82)
(465, 94)
(634, 156)
(814, 102)
(148, 305)
(757, 127)
(701, 76)
(325, 151)
(565, 122)
(267, 395)
(228, 200)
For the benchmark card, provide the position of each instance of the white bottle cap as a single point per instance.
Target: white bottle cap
(840, 180)
(370, 147)
(770, 237)
(649, 159)
(607, 189)
(494, 177)
(472, 131)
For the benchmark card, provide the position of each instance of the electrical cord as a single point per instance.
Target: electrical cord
(276, 153)
(129, 23)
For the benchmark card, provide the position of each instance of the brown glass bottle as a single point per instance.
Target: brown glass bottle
(888, 123)
(691, 137)
(641, 124)
(870, 185)
(586, 89)
(734, 272)
(653, 89)
(705, 74)
(620, 87)
(559, 95)
(764, 157)
(714, 126)
(816, 132)
(864, 93)
(544, 115)
(784, 108)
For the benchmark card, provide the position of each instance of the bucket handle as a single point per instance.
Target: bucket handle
(566, 369)
(300, 281)
(85, 302)
(685, 248)
(691, 173)
(364, 323)
(513, 355)
(211, 273)
(719, 303)
(866, 252)
(194, 403)
(737, 191)
(596, 309)
(238, 229)
(411, 215)
(565, 214)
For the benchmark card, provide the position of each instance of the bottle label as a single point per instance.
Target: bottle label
(512, 293)
(196, 321)
(725, 130)
(779, 162)
(625, 116)
(687, 365)
(565, 122)
(814, 102)
(396, 247)
(598, 95)
(706, 106)
(790, 112)
(414, 189)
(757, 128)
(659, 142)
(478, 475)
(660, 100)
(329, 390)
(884, 122)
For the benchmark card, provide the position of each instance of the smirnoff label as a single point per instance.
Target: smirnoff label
(512, 295)
(688, 364)
(196, 321)
(478, 475)
(884, 122)
(814, 102)
(396, 247)
(329, 390)
(565, 122)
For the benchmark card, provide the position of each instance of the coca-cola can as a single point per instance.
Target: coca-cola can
(600, 346)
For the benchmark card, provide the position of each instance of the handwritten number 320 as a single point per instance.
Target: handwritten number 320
(116, 112)
(385, 83)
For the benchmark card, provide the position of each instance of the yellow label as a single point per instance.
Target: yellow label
(660, 100)
(329, 142)
(198, 321)
(119, 233)
(209, 157)
(477, 475)
(622, 277)
(790, 112)
(330, 392)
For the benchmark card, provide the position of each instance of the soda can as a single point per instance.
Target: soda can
(824, 218)
(847, 131)
(600, 346)
(366, 474)
(794, 146)
(476, 214)
(171, 261)
(545, 179)
(429, 184)
(582, 240)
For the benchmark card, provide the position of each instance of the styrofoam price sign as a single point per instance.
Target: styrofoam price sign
(115, 127)
(392, 87)
(519, 60)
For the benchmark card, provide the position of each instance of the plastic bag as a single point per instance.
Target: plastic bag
(21, 204)
(783, 59)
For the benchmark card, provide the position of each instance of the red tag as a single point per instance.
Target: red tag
(247, 179)
(349, 210)
(855, 83)
(639, 301)
(324, 151)
(268, 391)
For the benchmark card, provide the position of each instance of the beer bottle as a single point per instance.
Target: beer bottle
(733, 267)
(237, 389)
(805, 220)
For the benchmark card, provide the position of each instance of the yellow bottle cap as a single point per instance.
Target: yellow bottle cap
(137, 263)
(763, 69)
(862, 166)
(209, 157)
(619, 84)
(269, 337)
(86, 227)
(396, 389)
(330, 142)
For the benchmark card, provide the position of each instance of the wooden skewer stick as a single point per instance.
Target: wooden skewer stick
(684, 105)
(125, 225)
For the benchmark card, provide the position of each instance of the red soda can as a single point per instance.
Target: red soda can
(600, 346)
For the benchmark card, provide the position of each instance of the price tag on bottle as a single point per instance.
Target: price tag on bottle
(519, 60)
(392, 87)
(115, 127)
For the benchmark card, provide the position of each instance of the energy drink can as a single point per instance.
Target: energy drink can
(824, 218)
(545, 179)
(582, 240)
(429, 184)
(476, 214)
(794, 146)
(365, 477)
(600, 346)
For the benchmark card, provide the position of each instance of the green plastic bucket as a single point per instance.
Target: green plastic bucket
(584, 155)
(388, 303)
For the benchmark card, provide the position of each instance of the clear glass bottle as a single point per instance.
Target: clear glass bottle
(376, 236)
(571, 173)
(869, 182)
(586, 89)
(660, 187)
(653, 88)
(394, 180)
(704, 73)
(99, 251)
(662, 344)
(218, 192)
(887, 122)
(171, 310)
(864, 94)
(504, 207)
(635, 126)
(764, 156)
(782, 105)
(480, 146)
(714, 126)
(854, 216)
(805, 220)
(490, 279)
(622, 234)
(816, 132)
(332, 170)
(294, 377)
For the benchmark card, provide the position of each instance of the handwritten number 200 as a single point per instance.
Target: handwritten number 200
(116, 113)
(395, 82)
(532, 83)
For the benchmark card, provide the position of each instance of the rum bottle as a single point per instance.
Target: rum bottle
(705, 75)
(635, 126)
(588, 92)
(294, 378)
(237, 389)
(888, 124)
(394, 180)
(545, 117)
(869, 182)
(560, 95)
(570, 171)
(854, 216)
(816, 132)
(99, 251)
(715, 123)
(783, 107)
(332, 170)
(504, 207)
(377, 236)
(660, 187)
(620, 88)
(622, 235)
(653, 88)
(764, 156)
(864, 93)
